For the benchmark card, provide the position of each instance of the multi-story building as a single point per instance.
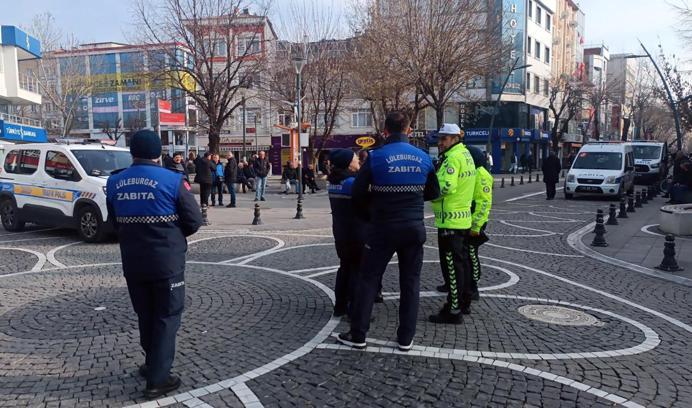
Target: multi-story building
(595, 121)
(622, 83)
(18, 86)
(119, 87)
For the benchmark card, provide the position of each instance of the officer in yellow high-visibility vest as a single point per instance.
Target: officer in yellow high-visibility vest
(457, 178)
(480, 211)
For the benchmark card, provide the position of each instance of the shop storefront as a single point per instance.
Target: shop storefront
(571, 143)
(508, 145)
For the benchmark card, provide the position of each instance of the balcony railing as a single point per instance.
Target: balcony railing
(21, 120)
(28, 83)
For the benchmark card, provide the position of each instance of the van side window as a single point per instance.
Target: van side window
(22, 161)
(59, 166)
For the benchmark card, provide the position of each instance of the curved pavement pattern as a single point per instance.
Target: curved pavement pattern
(553, 327)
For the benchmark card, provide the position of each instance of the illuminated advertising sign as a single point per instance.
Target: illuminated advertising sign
(22, 133)
(513, 33)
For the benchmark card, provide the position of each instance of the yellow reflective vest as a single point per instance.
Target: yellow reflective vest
(457, 178)
(482, 199)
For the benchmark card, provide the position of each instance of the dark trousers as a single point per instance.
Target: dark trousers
(383, 241)
(159, 307)
(311, 184)
(217, 188)
(456, 267)
(550, 190)
(475, 263)
(231, 192)
(204, 191)
(350, 254)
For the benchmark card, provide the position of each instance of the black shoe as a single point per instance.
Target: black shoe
(442, 288)
(445, 317)
(172, 383)
(466, 310)
(256, 200)
(230, 206)
(213, 204)
(475, 296)
(347, 339)
(338, 313)
(263, 199)
(143, 370)
(379, 298)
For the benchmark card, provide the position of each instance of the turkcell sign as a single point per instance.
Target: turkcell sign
(513, 33)
(22, 133)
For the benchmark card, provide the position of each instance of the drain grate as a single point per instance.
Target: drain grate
(559, 315)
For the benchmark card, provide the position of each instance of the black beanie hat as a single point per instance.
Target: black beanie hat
(341, 158)
(145, 144)
(479, 159)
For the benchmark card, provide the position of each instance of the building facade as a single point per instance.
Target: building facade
(19, 94)
(622, 82)
(595, 119)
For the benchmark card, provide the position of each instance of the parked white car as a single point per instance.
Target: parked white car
(601, 169)
(60, 185)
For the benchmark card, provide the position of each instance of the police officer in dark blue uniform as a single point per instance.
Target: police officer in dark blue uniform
(349, 230)
(389, 191)
(153, 211)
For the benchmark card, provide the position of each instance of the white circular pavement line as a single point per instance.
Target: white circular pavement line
(247, 259)
(418, 351)
(39, 264)
(51, 254)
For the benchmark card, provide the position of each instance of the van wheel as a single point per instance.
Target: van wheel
(9, 214)
(90, 226)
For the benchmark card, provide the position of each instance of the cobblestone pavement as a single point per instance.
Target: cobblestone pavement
(553, 327)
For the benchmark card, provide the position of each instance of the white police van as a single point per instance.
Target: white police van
(58, 184)
(601, 169)
(650, 161)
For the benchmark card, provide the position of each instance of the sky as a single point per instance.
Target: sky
(616, 23)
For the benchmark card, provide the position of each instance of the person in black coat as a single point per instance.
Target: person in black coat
(177, 165)
(230, 175)
(309, 180)
(203, 177)
(551, 174)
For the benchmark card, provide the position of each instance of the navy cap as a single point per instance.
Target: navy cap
(341, 158)
(145, 144)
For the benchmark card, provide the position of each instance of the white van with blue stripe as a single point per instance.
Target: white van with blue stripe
(57, 184)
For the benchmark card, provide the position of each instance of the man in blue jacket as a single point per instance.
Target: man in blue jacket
(153, 211)
(390, 191)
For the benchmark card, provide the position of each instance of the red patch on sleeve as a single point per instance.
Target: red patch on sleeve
(187, 185)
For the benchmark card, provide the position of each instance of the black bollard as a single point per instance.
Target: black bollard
(652, 192)
(669, 264)
(638, 200)
(563, 174)
(511, 183)
(645, 196)
(599, 239)
(599, 216)
(258, 218)
(521, 180)
(299, 210)
(205, 218)
(612, 215)
(538, 177)
(530, 178)
(630, 205)
(502, 183)
(623, 209)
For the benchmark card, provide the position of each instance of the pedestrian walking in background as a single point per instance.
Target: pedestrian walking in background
(203, 177)
(262, 168)
(148, 202)
(349, 230)
(480, 212)
(217, 180)
(389, 192)
(489, 160)
(230, 175)
(457, 179)
(249, 176)
(309, 179)
(514, 165)
(551, 174)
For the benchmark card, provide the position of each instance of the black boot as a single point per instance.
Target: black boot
(154, 391)
(446, 317)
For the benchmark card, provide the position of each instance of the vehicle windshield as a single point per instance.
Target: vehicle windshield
(598, 161)
(102, 162)
(647, 152)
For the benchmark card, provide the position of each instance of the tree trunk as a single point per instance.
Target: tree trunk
(440, 116)
(554, 136)
(214, 138)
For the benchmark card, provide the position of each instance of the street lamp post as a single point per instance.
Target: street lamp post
(671, 101)
(497, 102)
(299, 63)
(244, 135)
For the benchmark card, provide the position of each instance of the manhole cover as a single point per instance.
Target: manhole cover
(559, 315)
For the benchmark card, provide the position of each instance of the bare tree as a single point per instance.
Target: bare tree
(565, 100)
(439, 45)
(62, 80)
(680, 88)
(684, 12)
(223, 48)
(114, 130)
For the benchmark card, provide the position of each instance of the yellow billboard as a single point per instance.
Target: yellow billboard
(138, 81)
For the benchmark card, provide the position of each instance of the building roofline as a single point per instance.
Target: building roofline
(123, 47)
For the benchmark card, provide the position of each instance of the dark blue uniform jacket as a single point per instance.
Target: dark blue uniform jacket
(345, 225)
(394, 182)
(153, 211)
